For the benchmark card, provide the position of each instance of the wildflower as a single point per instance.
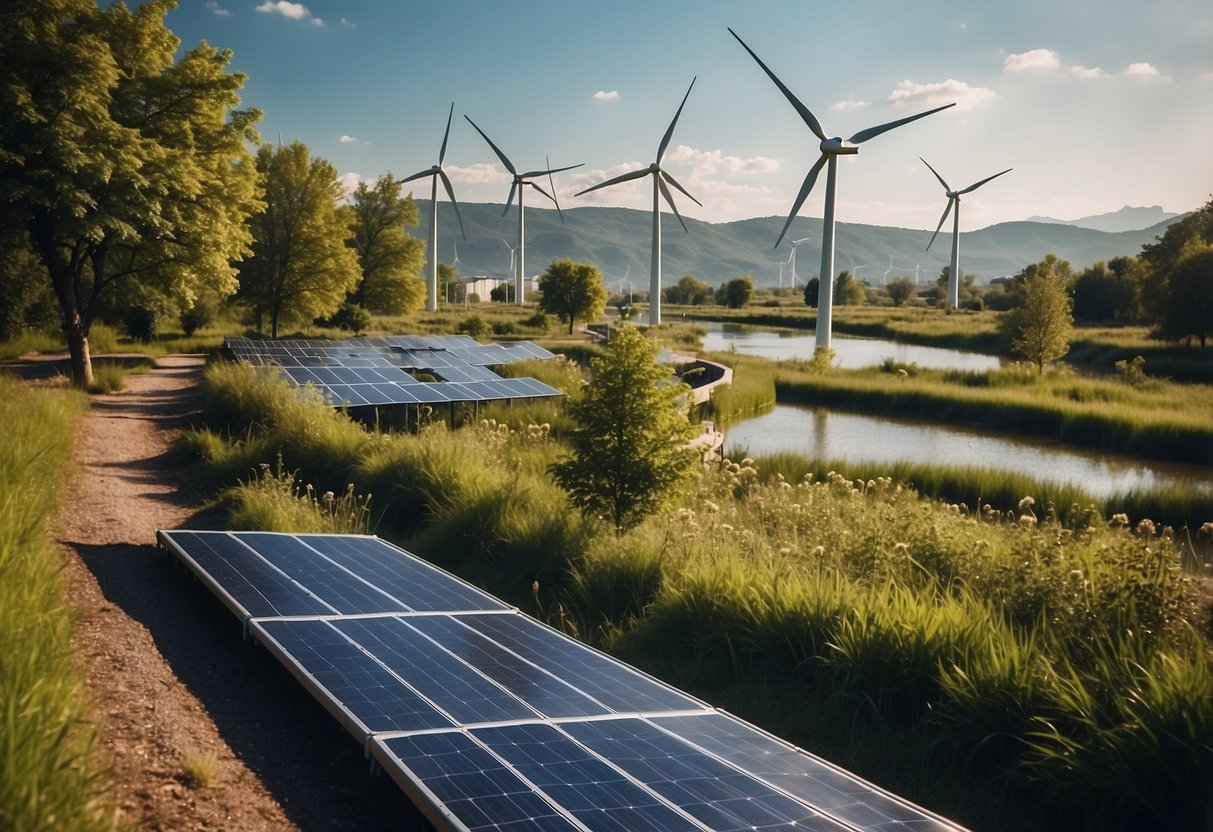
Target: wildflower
(710, 507)
(1120, 519)
(901, 548)
(1145, 527)
(1206, 528)
(901, 373)
(819, 551)
(785, 550)
(1027, 521)
(329, 498)
(785, 486)
(1026, 502)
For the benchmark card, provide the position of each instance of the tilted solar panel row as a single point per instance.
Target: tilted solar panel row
(491, 720)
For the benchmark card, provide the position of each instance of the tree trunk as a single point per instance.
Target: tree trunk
(76, 336)
(65, 277)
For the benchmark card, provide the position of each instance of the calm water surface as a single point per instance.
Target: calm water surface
(852, 353)
(816, 432)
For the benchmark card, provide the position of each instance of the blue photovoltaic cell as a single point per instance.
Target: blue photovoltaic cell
(472, 784)
(464, 694)
(351, 678)
(702, 786)
(583, 784)
(801, 775)
(255, 586)
(619, 687)
(345, 593)
(545, 693)
(419, 585)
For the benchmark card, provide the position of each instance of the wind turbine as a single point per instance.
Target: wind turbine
(431, 297)
(792, 257)
(521, 180)
(831, 149)
(513, 266)
(954, 197)
(660, 178)
(884, 281)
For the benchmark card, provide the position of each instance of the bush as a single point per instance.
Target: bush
(141, 323)
(475, 326)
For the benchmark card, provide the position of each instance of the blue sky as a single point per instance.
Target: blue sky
(1094, 104)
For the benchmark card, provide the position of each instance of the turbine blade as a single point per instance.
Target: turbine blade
(552, 184)
(674, 182)
(547, 172)
(446, 135)
(946, 186)
(541, 190)
(510, 200)
(504, 159)
(809, 181)
(665, 140)
(977, 185)
(873, 132)
(665, 192)
(450, 192)
(942, 220)
(421, 175)
(804, 111)
(626, 177)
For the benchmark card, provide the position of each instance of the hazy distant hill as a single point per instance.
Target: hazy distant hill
(1129, 218)
(618, 239)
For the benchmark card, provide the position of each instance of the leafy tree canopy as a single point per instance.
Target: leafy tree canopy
(1041, 326)
(572, 291)
(901, 290)
(629, 451)
(301, 267)
(389, 258)
(121, 162)
(738, 292)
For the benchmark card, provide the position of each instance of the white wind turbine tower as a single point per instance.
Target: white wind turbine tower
(660, 178)
(521, 180)
(831, 149)
(431, 298)
(513, 265)
(884, 281)
(792, 257)
(954, 197)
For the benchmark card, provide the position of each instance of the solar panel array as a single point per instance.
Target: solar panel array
(490, 720)
(365, 372)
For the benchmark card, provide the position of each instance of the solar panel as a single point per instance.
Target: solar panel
(490, 720)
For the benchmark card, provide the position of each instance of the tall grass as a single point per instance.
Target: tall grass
(49, 773)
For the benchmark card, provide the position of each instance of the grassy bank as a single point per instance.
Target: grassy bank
(49, 777)
(1005, 668)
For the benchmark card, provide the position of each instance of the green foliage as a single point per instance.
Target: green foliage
(50, 775)
(351, 317)
(811, 288)
(301, 267)
(100, 113)
(200, 314)
(278, 500)
(475, 326)
(1187, 294)
(848, 291)
(1106, 291)
(628, 454)
(738, 292)
(1040, 328)
(27, 303)
(901, 290)
(572, 291)
(389, 258)
(690, 291)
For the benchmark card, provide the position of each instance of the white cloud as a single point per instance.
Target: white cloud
(1087, 72)
(218, 10)
(911, 94)
(316, 21)
(349, 24)
(349, 181)
(479, 173)
(605, 95)
(295, 11)
(1032, 59)
(710, 162)
(348, 139)
(850, 104)
(1142, 70)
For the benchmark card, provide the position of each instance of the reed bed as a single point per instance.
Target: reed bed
(50, 775)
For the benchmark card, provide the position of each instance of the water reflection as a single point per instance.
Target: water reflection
(817, 432)
(851, 353)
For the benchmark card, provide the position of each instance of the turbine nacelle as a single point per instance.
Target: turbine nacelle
(838, 146)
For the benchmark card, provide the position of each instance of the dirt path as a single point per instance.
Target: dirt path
(169, 673)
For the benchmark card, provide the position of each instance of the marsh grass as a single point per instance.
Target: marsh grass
(279, 500)
(49, 771)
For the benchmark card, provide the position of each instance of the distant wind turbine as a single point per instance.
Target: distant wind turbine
(792, 257)
(954, 197)
(831, 149)
(436, 172)
(521, 180)
(660, 178)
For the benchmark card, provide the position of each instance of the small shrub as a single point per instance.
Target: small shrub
(141, 323)
(475, 326)
(198, 770)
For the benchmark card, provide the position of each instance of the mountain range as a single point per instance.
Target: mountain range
(618, 241)
(1129, 218)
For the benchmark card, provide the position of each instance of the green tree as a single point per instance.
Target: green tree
(1161, 304)
(301, 267)
(738, 292)
(123, 163)
(1188, 307)
(1040, 328)
(389, 258)
(572, 291)
(690, 291)
(450, 286)
(630, 449)
(1105, 292)
(811, 288)
(901, 289)
(848, 291)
